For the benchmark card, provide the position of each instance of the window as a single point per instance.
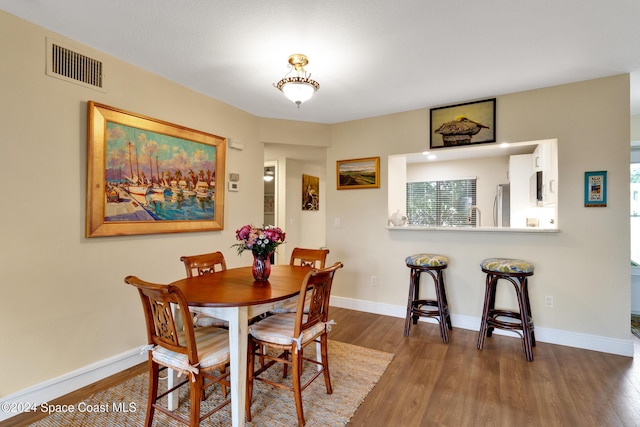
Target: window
(635, 214)
(441, 203)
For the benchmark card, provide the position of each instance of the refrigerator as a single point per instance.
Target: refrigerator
(502, 206)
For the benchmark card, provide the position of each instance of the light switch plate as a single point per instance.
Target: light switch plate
(234, 186)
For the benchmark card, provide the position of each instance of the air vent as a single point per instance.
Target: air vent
(72, 66)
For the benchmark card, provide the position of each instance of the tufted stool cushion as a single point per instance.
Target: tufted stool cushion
(426, 260)
(507, 265)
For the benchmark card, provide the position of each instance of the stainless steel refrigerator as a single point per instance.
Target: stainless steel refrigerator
(502, 206)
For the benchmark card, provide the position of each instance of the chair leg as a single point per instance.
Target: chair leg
(445, 302)
(285, 367)
(324, 346)
(488, 305)
(297, 389)
(250, 370)
(195, 391)
(442, 309)
(521, 289)
(414, 278)
(153, 392)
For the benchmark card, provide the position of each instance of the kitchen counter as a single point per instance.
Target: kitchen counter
(486, 229)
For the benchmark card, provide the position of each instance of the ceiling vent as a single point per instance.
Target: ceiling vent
(74, 67)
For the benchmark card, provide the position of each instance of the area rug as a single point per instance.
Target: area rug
(354, 372)
(635, 325)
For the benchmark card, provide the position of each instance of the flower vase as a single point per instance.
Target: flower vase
(261, 267)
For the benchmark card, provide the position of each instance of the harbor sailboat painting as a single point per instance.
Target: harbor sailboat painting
(156, 177)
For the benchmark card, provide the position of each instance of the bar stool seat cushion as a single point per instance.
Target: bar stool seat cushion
(507, 265)
(427, 260)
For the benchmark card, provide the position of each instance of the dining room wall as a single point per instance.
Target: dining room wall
(66, 306)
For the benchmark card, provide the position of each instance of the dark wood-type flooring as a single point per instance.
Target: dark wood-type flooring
(429, 383)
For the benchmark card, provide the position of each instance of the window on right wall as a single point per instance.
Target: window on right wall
(443, 203)
(635, 214)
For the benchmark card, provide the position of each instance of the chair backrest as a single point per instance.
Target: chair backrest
(316, 288)
(162, 328)
(204, 264)
(309, 257)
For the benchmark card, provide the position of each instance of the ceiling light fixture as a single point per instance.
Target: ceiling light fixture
(268, 175)
(299, 88)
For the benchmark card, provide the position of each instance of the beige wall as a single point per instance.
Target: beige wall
(585, 267)
(66, 306)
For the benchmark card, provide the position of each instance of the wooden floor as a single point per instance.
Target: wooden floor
(433, 384)
(429, 383)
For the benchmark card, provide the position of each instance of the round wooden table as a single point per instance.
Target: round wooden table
(234, 296)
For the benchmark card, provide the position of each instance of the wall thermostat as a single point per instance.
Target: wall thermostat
(234, 177)
(233, 186)
(234, 143)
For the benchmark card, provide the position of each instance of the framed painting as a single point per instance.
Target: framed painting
(358, 173)
(269, 204)
(595, 189)
(147, 176)
(463, 124)
(310, 193)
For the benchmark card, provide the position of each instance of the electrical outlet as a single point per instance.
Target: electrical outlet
(374, 281)
(548, 301)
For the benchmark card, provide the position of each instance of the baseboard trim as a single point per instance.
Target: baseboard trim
(46, 391)
(621, 347)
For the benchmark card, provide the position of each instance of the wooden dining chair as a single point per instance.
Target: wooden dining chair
(198, 353)
(288, 334)
(198, 265)
(315, 258)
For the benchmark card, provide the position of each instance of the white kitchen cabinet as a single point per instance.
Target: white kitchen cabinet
(520, 170)
(545, 159)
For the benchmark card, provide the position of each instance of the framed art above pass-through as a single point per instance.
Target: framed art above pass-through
(147, 176)
(463, 124)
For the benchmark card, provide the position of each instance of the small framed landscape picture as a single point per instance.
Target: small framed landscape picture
(358, 173)
(595, 189)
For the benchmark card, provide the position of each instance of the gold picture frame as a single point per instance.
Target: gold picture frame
(358, 173)
(310, 193)
(147, 176)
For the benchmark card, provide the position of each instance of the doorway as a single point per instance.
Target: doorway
(270, 200)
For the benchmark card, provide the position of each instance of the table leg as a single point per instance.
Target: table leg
(319, 355)
(238, 333)
(172, 379)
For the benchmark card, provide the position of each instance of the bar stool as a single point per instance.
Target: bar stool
(434, 266)
(515, 271)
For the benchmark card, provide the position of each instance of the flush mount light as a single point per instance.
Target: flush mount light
(268, 175)
(298, 88)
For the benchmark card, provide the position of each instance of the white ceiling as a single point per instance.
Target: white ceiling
(371, 57)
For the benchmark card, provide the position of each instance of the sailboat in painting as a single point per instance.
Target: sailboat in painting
(136, 185)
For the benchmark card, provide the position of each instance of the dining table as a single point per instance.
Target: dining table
(234, 295)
